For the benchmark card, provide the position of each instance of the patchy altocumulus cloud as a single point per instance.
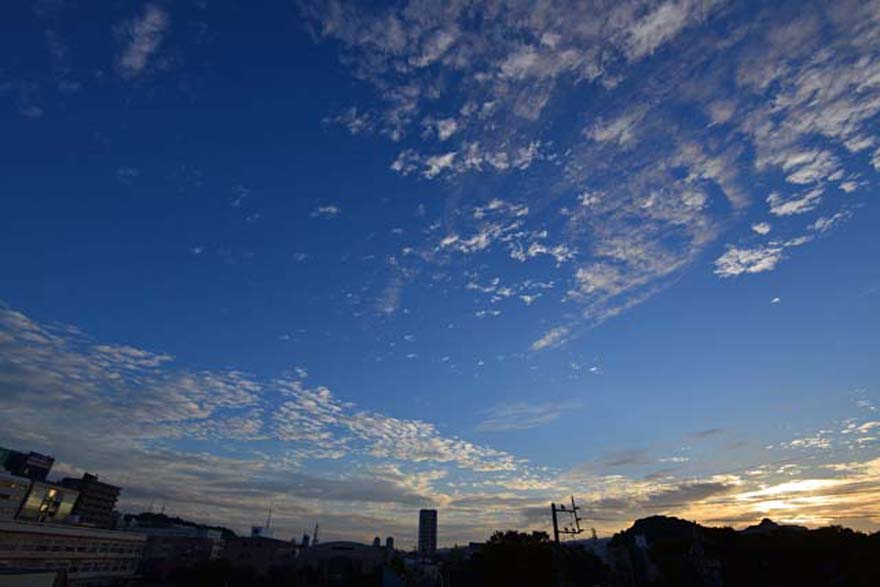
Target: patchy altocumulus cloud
(126, 412)
(647, 171)
(132, 408)
(143, 395)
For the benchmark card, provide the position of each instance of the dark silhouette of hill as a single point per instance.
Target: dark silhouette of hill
(661, 551)
(768, 526)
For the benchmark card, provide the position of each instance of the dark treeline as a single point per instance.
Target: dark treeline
(517, 558)
(655, 552)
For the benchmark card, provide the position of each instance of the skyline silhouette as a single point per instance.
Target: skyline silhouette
(355, 261)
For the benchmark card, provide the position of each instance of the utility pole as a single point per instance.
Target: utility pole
(575, 528)
(572, 530)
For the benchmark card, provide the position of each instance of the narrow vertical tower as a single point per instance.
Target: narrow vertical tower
(427, 532)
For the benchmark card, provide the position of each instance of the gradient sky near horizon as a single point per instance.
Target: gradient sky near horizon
(354, 259)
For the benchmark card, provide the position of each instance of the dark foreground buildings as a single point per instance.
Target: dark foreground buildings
(42, 538)
(59, 535)
(83, 556)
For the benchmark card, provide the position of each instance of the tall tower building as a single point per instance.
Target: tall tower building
(427, 532)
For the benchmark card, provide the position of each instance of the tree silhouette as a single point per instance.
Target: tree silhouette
(512, 558)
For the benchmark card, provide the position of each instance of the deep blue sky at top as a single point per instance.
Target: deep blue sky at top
(179, 211)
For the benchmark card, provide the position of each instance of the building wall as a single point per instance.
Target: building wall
(258, 552)
(96, 500)
(89, 556)
(13, 491)
(47, 502)
(164, 553)
(353, 556)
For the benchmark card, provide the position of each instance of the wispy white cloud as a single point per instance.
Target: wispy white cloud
(523, 416)
(796, 204)
(658, 26)
(354, 121)
(31, 111)
(326, 211)
(435, 164)
(738, 261)
(142, 37)
(127, 175)
(552, 338)
(621, 130)
(140, 395)
(762, 228)
(826, 223)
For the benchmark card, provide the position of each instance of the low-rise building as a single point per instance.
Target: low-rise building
(88, 556)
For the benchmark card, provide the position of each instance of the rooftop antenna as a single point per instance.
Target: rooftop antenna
(572, 510)
(315, 535)
(151, 504)
(269, 517)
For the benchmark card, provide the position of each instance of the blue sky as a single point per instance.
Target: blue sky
(353, 260)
